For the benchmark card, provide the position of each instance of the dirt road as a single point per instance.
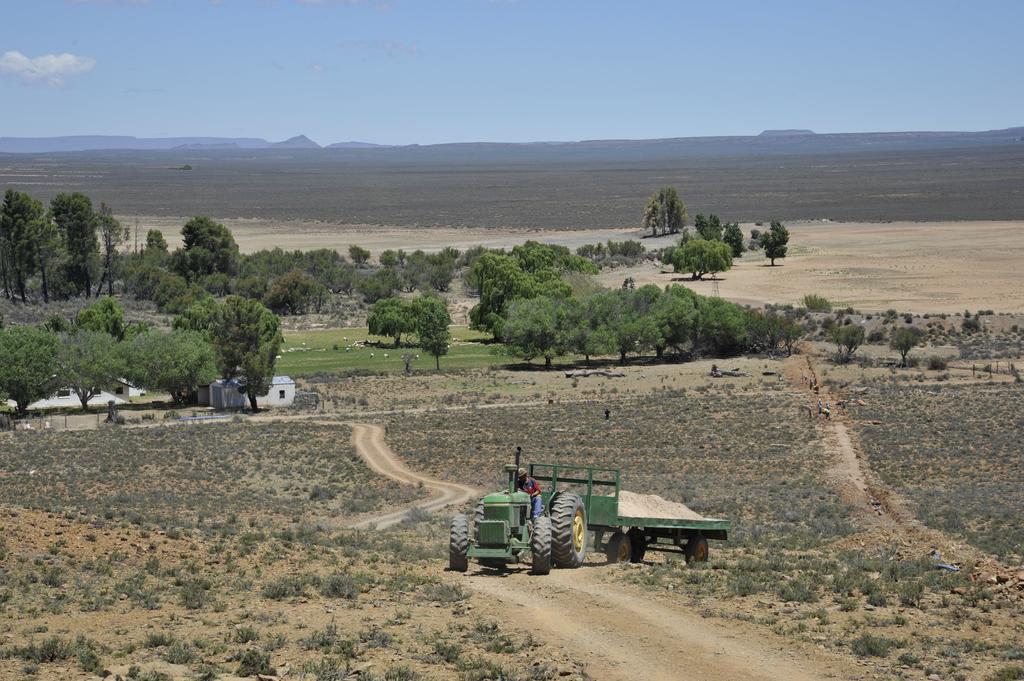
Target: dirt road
(619, 632)
(368, 440)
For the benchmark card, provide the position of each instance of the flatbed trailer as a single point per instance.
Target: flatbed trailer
(625, 538)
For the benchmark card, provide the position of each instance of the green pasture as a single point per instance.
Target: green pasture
(305, 353)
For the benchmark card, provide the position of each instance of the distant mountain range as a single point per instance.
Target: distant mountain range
(769, 142)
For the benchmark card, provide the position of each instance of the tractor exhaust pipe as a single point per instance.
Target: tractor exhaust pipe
(513, 471)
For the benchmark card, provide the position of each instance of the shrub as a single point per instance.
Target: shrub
(936, 363)
(341, 585)
(180, 653)
(1007, 674)
(869, 645)
(816, 303)
(252, 662)
(797, 591)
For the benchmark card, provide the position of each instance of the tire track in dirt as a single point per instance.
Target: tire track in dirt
(623, 634)
(368, 440)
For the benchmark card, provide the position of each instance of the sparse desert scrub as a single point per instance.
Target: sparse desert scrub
(420, 625)
(217, 478)
(744, 456)
(954, 451)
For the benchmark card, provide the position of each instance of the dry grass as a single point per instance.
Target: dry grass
(954, 451)
(215, 477)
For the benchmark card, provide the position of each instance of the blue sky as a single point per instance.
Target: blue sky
(422, 71)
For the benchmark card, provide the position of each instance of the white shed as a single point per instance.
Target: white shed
(230, 394)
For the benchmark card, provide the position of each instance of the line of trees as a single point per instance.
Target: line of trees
(639, 321)
(239, 338)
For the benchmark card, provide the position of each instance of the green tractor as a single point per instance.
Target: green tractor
(502, 532)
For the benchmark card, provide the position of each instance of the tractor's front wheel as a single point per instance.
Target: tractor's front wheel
(540, 546)
(618, 549)
(568, 530)
(458, 544)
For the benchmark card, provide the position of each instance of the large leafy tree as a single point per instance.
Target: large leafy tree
(19, 226)
(76, 223)
(432, 321)
(176, 363)
(200, 316)
(675, 314)
(295, 293)
(700, 257)
(392, 317)
(28, 364)
(733, 236)
(708, 228)
(501, 279)
(775, 242)
(88, 362)
(534, 328)
(208, 248)
(720, 327)
(847, 337)
(665, 212)
(247, 338)
(905, 339)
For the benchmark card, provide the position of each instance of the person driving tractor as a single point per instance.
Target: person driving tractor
(530, 486)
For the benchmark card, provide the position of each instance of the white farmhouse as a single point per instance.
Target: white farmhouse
(66, 398)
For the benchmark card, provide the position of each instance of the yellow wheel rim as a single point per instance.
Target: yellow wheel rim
(623, 552)
(579, 529)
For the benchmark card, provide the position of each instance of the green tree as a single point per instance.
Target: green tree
(665, 212)
(700, 257)
(675, 313)
(88, 362)
(49, 251)
(720, 327)
(432, 321)
(176, 363)
(847, 337)
(501, 279)
(533, 329)
(208, 248)
(20, 217)
(103, 316)
(360, 256)
(28, 365)
(392, 317)
(774, 242)
(156, 244)
(708, 228)
(733, 236)
(905, 339)
(112, 234)
(200, 316)
(76, 222)
(295, 293)
(247, 339)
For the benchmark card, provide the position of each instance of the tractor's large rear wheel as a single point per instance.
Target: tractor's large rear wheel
(618, 549)
(478, 517)
(458, 543)
(568, 530)
(540, 546)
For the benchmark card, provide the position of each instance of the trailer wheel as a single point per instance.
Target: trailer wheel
(568, 530)
(697, 550)
(638, 545)
(458, 544)
(618, 549)
(540, 546)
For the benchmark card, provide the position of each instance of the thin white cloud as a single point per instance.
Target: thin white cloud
(52, 69)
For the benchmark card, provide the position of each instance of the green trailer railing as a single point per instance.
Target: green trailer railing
(599, 488)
